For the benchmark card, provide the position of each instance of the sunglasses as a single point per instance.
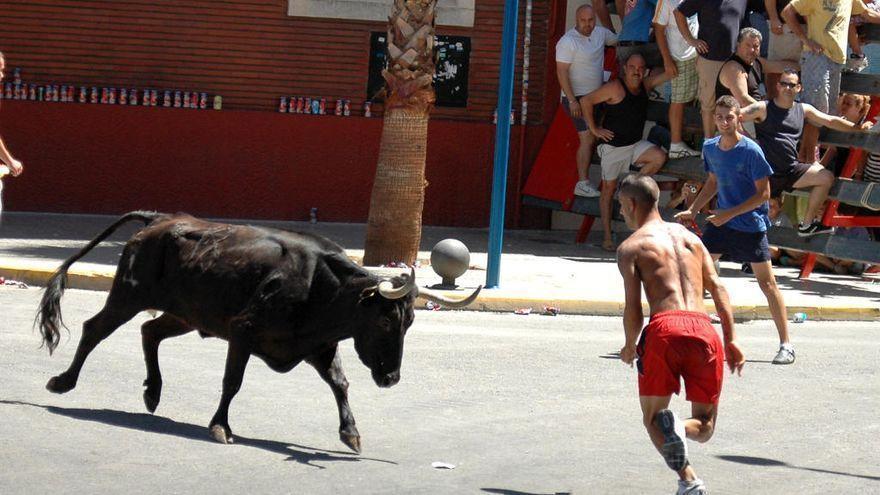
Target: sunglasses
(788, 85)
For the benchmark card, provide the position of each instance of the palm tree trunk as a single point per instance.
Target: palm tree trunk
(394, 228)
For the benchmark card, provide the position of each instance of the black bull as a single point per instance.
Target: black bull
(284, 297)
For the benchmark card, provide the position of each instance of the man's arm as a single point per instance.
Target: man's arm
(14, 165)
(821, 119)
(600, 8)
(789, 14)
(711, 282)
(604, 94)
(682, 23)
(868, 15)
(757, 112)
(668, 62)
(632, 311)
(737, 81)
(655, 80)
(762, 194)
(565, 83)
(775, 21)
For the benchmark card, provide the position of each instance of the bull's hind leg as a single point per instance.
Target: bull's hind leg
(237, 357)
(329, 366)
(153, 333)
(96, 329)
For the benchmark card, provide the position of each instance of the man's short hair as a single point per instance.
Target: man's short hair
(728, 101)
(748, 32)
(582, 7)
(635, 53)
(791, 72)
(642, 188)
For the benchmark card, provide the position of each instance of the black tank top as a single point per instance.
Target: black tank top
(755, 78)
(627, 118)
(779, 134)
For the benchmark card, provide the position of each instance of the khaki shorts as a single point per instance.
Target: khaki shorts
(707, 71)
(684, 86)
(785, 46)
(615, 160)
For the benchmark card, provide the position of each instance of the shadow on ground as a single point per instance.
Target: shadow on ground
(763, 461)
(165, 426)
(504, 491)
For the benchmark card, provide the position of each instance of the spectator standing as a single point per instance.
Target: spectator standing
(635, 30)
(680, 61)
(824, 54)
(784, 44)
(719, 24)
(580, 55)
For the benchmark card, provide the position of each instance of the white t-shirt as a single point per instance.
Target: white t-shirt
(678, 47)
(586, 54)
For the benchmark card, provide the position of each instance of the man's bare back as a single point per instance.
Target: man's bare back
(669, 261)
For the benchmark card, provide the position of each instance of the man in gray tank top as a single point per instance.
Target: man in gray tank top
(779, 124)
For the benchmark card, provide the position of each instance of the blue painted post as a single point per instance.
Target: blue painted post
(502, 142)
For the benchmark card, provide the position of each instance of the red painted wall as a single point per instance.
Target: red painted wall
(83, 158)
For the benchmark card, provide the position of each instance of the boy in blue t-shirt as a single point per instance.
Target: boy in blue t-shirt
(737, 228)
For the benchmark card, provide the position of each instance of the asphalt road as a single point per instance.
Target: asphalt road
(519, 404)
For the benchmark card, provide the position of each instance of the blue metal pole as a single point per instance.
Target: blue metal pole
(502, 142)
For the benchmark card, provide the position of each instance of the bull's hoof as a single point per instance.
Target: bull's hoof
(221, 434)
(351, 440)
(151, 400)
(60, 384)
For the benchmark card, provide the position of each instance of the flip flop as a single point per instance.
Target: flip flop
(608, 246)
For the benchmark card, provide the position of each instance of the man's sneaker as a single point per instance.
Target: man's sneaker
(585, 189)
(815, 228)
(674, 445)
(681, 150)
(785, 354)
(856, 62)
(693, 487)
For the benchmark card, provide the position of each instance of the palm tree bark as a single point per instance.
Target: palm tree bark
(394, 228)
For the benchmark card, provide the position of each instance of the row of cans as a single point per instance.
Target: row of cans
(107, 96)
(317, 106)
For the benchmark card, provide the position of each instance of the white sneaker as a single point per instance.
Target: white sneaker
(681, 150)
(693, 487)
(585, 189)
(785, 355)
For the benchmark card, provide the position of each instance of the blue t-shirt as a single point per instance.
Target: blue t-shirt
(637, 21)
(737, 169)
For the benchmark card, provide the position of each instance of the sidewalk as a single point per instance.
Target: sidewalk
(538, 268)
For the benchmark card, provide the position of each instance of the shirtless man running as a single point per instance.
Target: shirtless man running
(679, 342)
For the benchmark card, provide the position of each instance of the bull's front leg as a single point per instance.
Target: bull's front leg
(237, 357)
(329, 366)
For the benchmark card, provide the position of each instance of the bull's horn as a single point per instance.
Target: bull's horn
(388, 291)
(452, 303)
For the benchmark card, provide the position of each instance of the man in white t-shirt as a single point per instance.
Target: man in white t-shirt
(679, 59)
(580, 57)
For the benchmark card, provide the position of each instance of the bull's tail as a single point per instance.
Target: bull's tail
(49, 313)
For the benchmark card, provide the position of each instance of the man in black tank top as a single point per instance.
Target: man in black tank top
(779, 124)
(743, 73)
(620, 137)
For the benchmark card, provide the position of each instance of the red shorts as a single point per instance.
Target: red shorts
(681, 344)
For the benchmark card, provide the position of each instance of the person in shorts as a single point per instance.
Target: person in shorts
(719, 26)
(680, 60)
(740, 175)
(580, 55)
(824, 55)
(783, 43)
(679, 342)
(622, 131)
(8, 164)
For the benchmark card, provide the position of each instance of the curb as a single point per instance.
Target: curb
(100, 278)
